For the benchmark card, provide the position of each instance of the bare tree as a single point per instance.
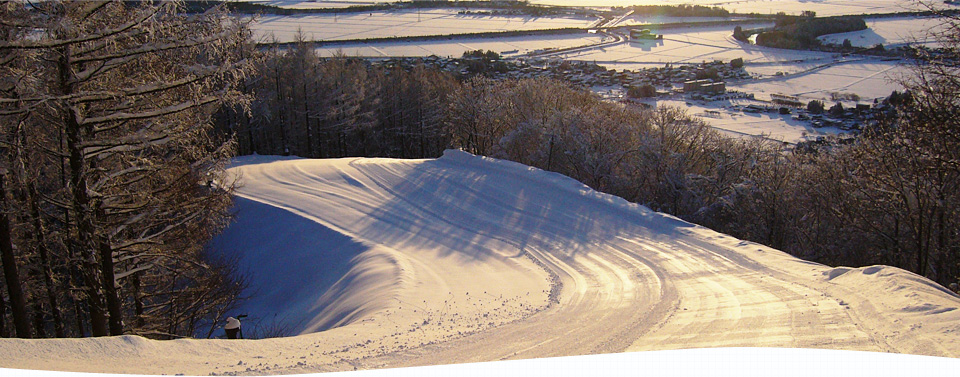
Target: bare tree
(130, 89)
(11, 270)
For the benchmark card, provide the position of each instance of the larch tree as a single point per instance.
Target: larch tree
(112, 104)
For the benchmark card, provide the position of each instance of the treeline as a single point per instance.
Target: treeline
(111, 177)
(889, 198)
(245, 7)
(338, 107)
(681, 10)
(800, 32)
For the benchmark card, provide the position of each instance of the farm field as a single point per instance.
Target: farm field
(891, 32)
(313, 4)
(735, 123)
(822, 7)
(400, 23)
(869, 79)
(455, 47)
(646, 19)
(691, 45)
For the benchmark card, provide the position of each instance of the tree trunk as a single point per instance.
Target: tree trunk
(78, 312)
(71, 249)
(89, 268)
(137, 300)
(45, 267)
(284, 150)
(306, 122)
(38, 324)
(81, 203)
(18, 305)
(114, 305)
(921, 252)
(3, 317)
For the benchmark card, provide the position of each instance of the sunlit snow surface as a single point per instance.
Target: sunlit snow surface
(466, 259)
(400, 23)
(892, 32)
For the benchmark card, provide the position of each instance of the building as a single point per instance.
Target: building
(714, 88)
(704, 86)
(785, 100)
(694, 85)
(644, 34)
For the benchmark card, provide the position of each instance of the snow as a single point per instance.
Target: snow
(455, 47)
(735, 123)
(869, 78)
(465, 259)
(691, 45)
(892, 32)
(635, 20)
(314, 4)
(822, 7)
(400, 23)
(720, 362)
(264, 231)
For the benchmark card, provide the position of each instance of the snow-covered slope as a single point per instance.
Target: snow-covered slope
(385, 263)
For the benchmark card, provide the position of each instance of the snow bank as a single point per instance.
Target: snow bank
(305, 277)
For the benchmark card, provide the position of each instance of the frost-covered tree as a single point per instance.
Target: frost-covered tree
(113, 154)
(918, 160)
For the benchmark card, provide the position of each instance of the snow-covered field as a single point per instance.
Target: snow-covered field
(646, 20)
(680, 45)
(822, 7)
(690, 45)
(465, 258)
(892, 32)
(736, 123)
(455, 47)
(315, 4)
(400, 23)
(870, 79)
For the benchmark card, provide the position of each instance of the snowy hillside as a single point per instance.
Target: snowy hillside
(387, 263)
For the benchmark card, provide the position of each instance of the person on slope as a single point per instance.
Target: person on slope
(233, 327)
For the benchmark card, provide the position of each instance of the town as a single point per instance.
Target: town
(704, 83)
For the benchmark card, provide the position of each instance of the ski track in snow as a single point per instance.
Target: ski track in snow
(467, 259)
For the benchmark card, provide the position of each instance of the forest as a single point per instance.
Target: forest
(801, 32)
(118, 122)
(680, 10)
